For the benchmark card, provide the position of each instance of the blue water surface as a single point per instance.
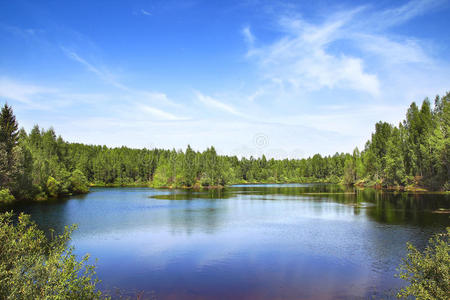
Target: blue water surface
(295, 241)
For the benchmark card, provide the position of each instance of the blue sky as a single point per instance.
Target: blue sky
(284, 78)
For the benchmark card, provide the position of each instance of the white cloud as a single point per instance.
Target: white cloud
(26, 33)
(324, 81)
(211, 102)
(258, 93)
(138, 97)
(300, 59)
(346, 51)
(35, 97)
(360, 72)
(104, 75)
(31, 96)
(22, 92)
(407, 50)
(157, 97)
(406, 12)
(248, 35)
(145, 12)
(159, 113)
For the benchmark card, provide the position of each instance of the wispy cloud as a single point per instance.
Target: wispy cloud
(156, 97)
(248, 35)
(104, 75)
(139, 97)
(259, 92)
(315, 78)
(361, 72)
(216, 104)
(406, 50)
(145, 12)
(406, 12)
(21, 92)
(160, 114)
(301, 60)
(346, 51)
(31, 96)
(22, 32)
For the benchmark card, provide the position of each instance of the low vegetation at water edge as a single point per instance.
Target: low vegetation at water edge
(33, 266)
(428, 272)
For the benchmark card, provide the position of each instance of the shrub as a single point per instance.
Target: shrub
(427, 273)
(52, 187)
(34, 267)
(79, 182)
(5, 196)
(446, 186)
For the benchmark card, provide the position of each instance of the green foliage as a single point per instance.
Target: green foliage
(394, 170)
(79, 183)
(427, 273)
(418, 148)
(8, 128)
(34, 267)
(40, 165)
(52, 187)
(190, 167)
(162, 174)
(8, 147)
(5, 196)
(349, 171)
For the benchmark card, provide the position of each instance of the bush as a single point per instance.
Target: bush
(52, 187)
(161, 178)
(446, 186)
(79, 182)
(427, 273)
(64, 182)
(205, 180)
(40, 194)
(34, 267)
(5, 196)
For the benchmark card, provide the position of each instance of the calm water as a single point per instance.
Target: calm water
(296, 241)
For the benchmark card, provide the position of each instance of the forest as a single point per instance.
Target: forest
(40, 165)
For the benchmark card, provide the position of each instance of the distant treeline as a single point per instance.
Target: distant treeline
(40, 165)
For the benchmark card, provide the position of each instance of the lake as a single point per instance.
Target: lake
(287, 241)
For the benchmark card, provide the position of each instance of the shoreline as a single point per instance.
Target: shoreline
(360, 186)
(197, 187)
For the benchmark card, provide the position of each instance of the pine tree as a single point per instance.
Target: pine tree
(189, 168)
(8, 129)
(8, 142)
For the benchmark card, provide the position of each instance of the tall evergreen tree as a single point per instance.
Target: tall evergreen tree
(8, 142)
(189, 168)
(8, 128)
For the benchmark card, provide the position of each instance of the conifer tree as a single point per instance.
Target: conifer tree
(8, 141)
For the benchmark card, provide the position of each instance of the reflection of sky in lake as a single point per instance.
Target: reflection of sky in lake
(247, 242)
